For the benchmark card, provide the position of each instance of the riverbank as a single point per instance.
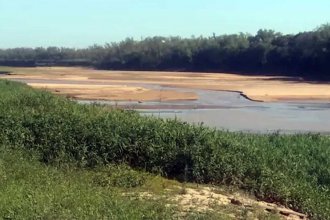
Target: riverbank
(129, 85)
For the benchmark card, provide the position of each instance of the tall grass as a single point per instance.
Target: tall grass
(292, 170)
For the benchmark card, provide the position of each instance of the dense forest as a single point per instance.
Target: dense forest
(305, 54)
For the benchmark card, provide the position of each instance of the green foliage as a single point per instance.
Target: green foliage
(293, 170)
(31, 190)
(119, 176)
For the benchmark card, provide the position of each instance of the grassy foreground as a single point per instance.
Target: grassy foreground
(31, 190)
(291, 170)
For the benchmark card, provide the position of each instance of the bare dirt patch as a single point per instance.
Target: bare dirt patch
(208, 199)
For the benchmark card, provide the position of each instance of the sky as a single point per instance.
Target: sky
(81, 23)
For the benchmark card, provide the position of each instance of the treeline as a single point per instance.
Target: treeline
(305, 54)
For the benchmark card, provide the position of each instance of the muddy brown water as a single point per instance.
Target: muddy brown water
(228, 110)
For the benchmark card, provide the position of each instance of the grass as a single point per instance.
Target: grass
(31, 190)
(292, 170)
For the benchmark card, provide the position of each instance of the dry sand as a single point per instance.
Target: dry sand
(122, 85)
(204, 199)
(113, 92)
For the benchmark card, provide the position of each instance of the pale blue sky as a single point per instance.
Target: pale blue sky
(80, 23)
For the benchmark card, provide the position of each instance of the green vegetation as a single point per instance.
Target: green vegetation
(304, 54)
(31, 190)
(291, 170)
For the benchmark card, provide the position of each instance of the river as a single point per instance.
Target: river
(234, 112)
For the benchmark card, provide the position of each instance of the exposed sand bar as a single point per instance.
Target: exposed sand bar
(125, 85)
(114, 92)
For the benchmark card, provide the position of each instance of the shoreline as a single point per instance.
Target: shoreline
(253, 88)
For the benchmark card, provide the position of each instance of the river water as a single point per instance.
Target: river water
(227, 110)
(234, 112)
